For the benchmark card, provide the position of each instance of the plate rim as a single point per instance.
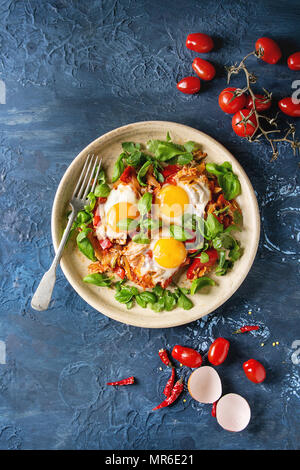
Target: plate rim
(55, 210)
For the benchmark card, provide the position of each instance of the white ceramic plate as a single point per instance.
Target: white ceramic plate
(74, 264)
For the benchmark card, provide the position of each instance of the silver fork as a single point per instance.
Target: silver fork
(42, 296)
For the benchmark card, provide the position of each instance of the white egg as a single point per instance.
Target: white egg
(120, 198)
(233, 412)
(204, 385)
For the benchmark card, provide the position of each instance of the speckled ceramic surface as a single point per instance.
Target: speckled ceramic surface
(74, 264)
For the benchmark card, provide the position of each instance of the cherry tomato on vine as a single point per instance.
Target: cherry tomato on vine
(229, 105)
(294, 61)
(254, 371)
(262, 103)
(199, 42)
(189, 85)
(204, 69)
(218, 351)
(244, 129)
(187, 356)
(271, 52)
(287, 106)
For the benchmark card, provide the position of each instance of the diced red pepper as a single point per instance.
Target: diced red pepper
(218, 218)
(191, 240)
(196, 264)
(102, 200)
(170, 170)
(120, 272)
(127, 174)
(105, 244)
(96, 220)
(222, 201)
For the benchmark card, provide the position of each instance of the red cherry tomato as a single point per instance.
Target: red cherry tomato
(218, 351)
(244, 129)
(199, 42)
(204, 69)
(187, 356)
(294, 61)
(213, 256)
(229, 106)
(127, 174)
(254, 371)
(287, 106)
(270, 49)
(262, 103)
(189, 85)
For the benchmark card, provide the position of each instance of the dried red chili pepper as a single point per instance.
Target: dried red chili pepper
(128, 381)
(246, 328)
(164, 357)
(214, 409)
(170, 384)
(178, 388)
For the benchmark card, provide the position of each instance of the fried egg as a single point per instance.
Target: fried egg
(161, 258)
(121, 204)
(174, 201)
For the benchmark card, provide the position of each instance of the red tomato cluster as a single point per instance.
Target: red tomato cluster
(201, 43)
(244, 122)
(217, 354)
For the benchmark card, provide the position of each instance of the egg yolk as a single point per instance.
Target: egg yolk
(120, 211)
(172, 200)
(169, 253)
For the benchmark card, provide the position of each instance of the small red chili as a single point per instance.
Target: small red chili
(178, 388)
(128, 381)
(246, 328)
(214, 409)
(170, 384)
(187, 356)
(127, 174)
(164, 357)
(105, 244)
(120, 272)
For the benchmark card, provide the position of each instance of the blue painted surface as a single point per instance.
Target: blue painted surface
(73, 71)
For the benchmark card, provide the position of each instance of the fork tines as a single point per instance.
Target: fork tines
(86, 176)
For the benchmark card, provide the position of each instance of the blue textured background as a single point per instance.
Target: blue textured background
(74, 70)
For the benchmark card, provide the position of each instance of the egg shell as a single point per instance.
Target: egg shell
(204, 385)
(233, 412)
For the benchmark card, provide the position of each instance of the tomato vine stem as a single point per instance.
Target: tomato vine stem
(288, 135)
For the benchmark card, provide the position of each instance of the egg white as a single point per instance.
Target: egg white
(123, 193)
(158, 273)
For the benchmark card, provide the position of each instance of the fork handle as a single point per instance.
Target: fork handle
(42, 296)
